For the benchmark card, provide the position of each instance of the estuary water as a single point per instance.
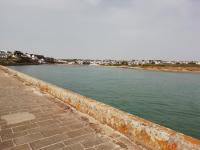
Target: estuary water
(169, 99)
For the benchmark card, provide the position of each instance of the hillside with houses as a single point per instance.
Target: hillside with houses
(20, 58)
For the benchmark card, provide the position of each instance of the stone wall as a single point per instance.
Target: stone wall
(141, 131)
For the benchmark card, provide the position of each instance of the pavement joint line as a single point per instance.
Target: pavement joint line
(29, 146)
(49, 145)
(23, 130)
(34, 140)
(12, 130)
(13, 142)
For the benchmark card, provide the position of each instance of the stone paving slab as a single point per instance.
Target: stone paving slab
(31, 120)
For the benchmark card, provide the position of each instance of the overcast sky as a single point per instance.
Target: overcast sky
(118, 29)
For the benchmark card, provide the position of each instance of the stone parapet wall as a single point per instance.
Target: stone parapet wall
(141, 131)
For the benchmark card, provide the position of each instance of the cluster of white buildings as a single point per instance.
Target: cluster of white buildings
(80, 61)
(15, 54)
(123, 62)
(4, 54)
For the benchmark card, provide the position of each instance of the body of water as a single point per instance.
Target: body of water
(169, 99)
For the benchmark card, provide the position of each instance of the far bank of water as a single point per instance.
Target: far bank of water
(169, 99)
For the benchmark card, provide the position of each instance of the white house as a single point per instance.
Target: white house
(3, 54)
(28, 55)
(41, 61)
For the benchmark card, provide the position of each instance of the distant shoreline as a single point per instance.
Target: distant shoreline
(163, 68)
(166, 68)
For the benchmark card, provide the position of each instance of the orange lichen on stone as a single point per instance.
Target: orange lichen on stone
(167, 146)
(68, 100)
(123, 128)
(143, 138)
(44, 88)
(172, 146)
(77, 106)
(192, 140)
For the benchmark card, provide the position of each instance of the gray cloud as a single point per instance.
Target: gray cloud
(122, 29)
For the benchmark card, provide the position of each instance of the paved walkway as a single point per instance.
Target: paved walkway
(31, 120)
